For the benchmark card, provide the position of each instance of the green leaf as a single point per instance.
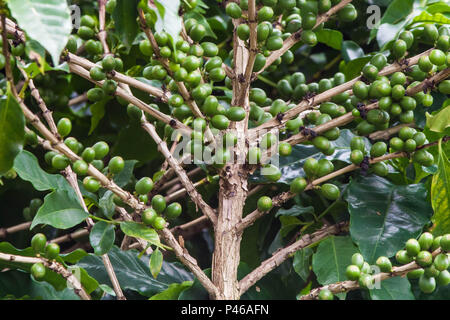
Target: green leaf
(98, 112)
(431, 18)
(331, 259)
(396, 13)
(351, 50)
(20, 284)
(28, 169)
(439, 122)
(354, 67)
(138, 230)
(133, 273)
(201, 20)
(46, 21)
(12, 132)
(173, 291)
(331, 38)
(155, 263)
(168, 18)
(129, 144)
(302, 262)
(295, 211)
(124, 16)
(383, 216)
(106, 204)
(440, 194)
(108, 289)
(60, 211)
(125, 175)
(396, 288)
(74, 256)
(102, 237)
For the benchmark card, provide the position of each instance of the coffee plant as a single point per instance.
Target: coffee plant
(212, 149)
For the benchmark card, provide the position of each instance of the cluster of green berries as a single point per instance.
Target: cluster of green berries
(91, 155)
(103, 71)
(296, 15)
(358, 154)
(434, 270)
(41, 248)
(408, 140)
(361, 271)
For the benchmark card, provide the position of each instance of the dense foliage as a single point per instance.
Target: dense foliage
(314, 163)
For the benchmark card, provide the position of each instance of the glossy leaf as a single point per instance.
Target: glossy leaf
(46, 21)
(440, 121)
(60, 211)
(138, 230)
(133, 272)
(330, 37)
(155, 263)
(124, 16)
(12, 132)
(98, 112)
(331, 259)
(351, 50)
(383, 216)
(22, 286)
(354, 67)
(74, 256)
(396, 288)
(440, 194)
(102, 237)
(28, 169)
(106, 204)
(172, 292)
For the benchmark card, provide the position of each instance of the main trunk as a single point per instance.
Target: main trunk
(226, 255)
(233, 189)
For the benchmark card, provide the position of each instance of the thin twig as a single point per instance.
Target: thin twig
(280, 256)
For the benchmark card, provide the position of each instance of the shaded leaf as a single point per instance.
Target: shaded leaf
(124, 16)
(133, 272)
(125, 175)
(102, 237)
(12, 132)
(383, 216)
(396, 288)
(302, 262)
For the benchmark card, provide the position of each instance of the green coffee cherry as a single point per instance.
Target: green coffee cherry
(264, 204)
